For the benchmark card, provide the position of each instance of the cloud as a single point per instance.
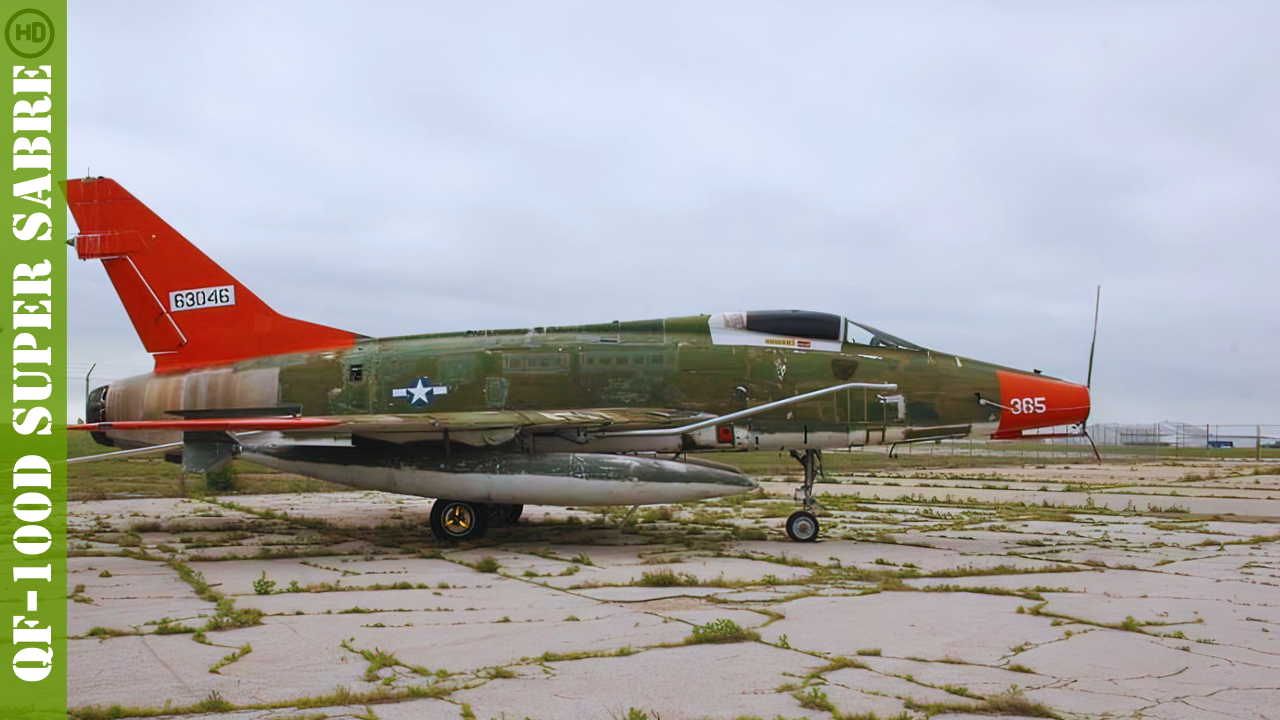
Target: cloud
(962, 177)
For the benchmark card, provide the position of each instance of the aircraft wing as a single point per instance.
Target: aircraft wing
(478, 428)
(525, 420)
(616, 421)
(481, 427)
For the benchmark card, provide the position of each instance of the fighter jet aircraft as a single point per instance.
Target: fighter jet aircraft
(488, 421)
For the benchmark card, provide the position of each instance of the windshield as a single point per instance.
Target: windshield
(867, 335)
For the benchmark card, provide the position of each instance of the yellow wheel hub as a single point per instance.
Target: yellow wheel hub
(458, 519)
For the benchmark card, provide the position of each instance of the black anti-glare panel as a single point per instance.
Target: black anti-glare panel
(796, 323)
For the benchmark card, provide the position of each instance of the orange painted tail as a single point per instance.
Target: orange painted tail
(188, 311)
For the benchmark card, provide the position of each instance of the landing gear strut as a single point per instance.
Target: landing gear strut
(803, 526)
(504, 515)
(455, 520)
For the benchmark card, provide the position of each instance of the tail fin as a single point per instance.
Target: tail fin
(188, 311)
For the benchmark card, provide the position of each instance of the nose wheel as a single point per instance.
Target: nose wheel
(803, 525)
(455, 520)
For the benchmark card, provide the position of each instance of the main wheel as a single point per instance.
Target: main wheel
(455, 520)
(802, 526)
(504, 515)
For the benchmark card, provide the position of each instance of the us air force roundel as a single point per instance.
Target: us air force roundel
(421, 392)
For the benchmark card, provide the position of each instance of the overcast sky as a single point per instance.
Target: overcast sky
(959, 174)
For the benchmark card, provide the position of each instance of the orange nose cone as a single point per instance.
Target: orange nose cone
(1032, 401)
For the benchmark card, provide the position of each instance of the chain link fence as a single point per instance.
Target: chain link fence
(1114, 441)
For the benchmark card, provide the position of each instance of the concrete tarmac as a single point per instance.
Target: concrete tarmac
(1148, 592)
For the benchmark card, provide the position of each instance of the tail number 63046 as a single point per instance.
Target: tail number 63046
(1026, 406)
(202, 298)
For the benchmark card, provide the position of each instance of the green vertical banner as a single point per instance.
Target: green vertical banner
(33, 325)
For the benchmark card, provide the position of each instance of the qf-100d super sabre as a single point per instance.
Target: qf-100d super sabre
(488, 421)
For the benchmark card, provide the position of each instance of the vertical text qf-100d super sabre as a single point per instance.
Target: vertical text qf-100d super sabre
(487, 421)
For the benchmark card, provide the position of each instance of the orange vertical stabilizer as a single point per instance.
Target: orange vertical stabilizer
(187, 310)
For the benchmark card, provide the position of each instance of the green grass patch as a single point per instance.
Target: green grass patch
(196, 580)
(102, 632)
(623, 651)
(721, 631)
(814, 699)
(229, 618)
(227, 660)
(1012, 702)
(666, 577)
(838, 663)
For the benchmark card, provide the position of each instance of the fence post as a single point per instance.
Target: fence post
(1257, 442)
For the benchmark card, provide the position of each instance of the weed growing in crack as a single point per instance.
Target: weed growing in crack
(666, 578)
(101, 632)
(721, 631)
(263, 586)
(228, 659)
(837, 663)
(560, 657)
(1010, 702)
(196, 580)
(229, 618)
(815, 699)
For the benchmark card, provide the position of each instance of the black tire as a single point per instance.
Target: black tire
(455, 520)
(802, 526)
(504, 515)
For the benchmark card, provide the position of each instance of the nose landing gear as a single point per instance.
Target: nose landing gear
(803, 525)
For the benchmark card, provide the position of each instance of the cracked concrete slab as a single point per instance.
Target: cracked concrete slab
(941, 606)
(924, 625)
(730, 681)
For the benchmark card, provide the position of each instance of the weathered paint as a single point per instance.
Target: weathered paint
(670, 364)
(521, 398)
(508, 476)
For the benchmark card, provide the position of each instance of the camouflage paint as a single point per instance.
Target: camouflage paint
(665, 364)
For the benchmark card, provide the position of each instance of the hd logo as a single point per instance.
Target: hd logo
(421, 392)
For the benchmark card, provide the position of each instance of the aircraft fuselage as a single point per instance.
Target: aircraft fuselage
(673, 363)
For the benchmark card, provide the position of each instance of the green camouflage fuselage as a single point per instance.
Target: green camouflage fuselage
(667, 364)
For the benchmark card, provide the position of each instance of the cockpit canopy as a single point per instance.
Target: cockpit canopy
(866, 335)
(810, 325)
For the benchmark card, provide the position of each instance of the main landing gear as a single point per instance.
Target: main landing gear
(803, 526)
(504, 515)
(456, 520)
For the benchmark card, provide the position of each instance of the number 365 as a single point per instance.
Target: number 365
(1021, 406)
